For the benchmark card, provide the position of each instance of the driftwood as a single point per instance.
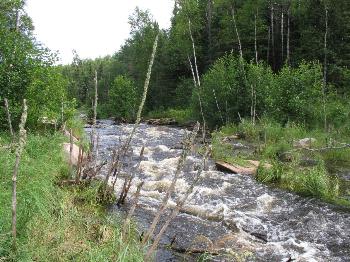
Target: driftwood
(20, 147)
(236, 169)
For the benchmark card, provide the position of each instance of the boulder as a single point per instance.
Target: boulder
(75, 153)
(67, 134)
(304, 143)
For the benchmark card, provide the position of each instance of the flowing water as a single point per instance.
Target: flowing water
(244, 219)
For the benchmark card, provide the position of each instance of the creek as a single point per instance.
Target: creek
(232, 213)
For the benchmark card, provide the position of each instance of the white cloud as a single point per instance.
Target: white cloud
(93, 28)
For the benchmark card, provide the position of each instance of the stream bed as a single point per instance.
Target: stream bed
(245, 220)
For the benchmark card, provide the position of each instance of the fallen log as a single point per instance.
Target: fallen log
(236, 169)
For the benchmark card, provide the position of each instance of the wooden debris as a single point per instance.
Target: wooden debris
(238, 169)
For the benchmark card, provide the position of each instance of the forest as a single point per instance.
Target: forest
(267, 81)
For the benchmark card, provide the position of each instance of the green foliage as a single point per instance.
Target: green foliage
(47, 97)
(293, 94)
(296, 95)
(123, 98)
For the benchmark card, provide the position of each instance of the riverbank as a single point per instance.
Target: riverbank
(56, 223)
(308, 162)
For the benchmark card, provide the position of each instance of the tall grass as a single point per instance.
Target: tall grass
(54, 223)
(274, 144)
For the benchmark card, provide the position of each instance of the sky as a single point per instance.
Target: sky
(93, 28)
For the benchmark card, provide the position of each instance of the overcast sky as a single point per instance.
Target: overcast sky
(92, 27)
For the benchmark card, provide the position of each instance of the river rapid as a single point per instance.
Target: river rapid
(245, 220)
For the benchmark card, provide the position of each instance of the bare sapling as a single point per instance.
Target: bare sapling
(282, 34)
(70, 147)
(237, 34)
(179, 205)
(288, 33)
(218, 107)
(80, 164)
(188, 144)
(95, 100)
(273, 36)
(196, 79)
(255, 37)
(324, 85)
(120, 154)
(9, 117)
(128, 180)
(132, 209)
(19, 149)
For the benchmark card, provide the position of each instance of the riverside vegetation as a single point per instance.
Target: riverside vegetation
(260, 75)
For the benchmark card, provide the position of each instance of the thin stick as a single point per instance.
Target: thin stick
(132, 210)
(126, 146)
(95, 101)
(8, 116)
(178, 207)
(255, 37)
(237, 34)
(218, 107)
(20, 147)
(70, 147)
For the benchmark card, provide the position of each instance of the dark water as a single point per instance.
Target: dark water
(245, 220)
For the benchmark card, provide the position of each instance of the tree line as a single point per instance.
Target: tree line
(285, 59)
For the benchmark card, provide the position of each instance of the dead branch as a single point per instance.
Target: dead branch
(132, 210)
(128, 180)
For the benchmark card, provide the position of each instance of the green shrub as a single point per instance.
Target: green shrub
(123, 98)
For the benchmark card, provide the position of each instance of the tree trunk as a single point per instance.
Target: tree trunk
(237, 34)
(255, 37)
(325, 70)
(95, 101)
(282, 36)
(268, 44)
(197, 79)
(273, 38)
(21, 144)
(288, 34)
(8, 117)
(209, 14)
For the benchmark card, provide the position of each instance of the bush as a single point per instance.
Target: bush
(123, 98)
(46, 95)
(296, 95)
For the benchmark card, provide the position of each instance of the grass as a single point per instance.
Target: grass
(55, 223)
(291, 168)
(182, 116)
